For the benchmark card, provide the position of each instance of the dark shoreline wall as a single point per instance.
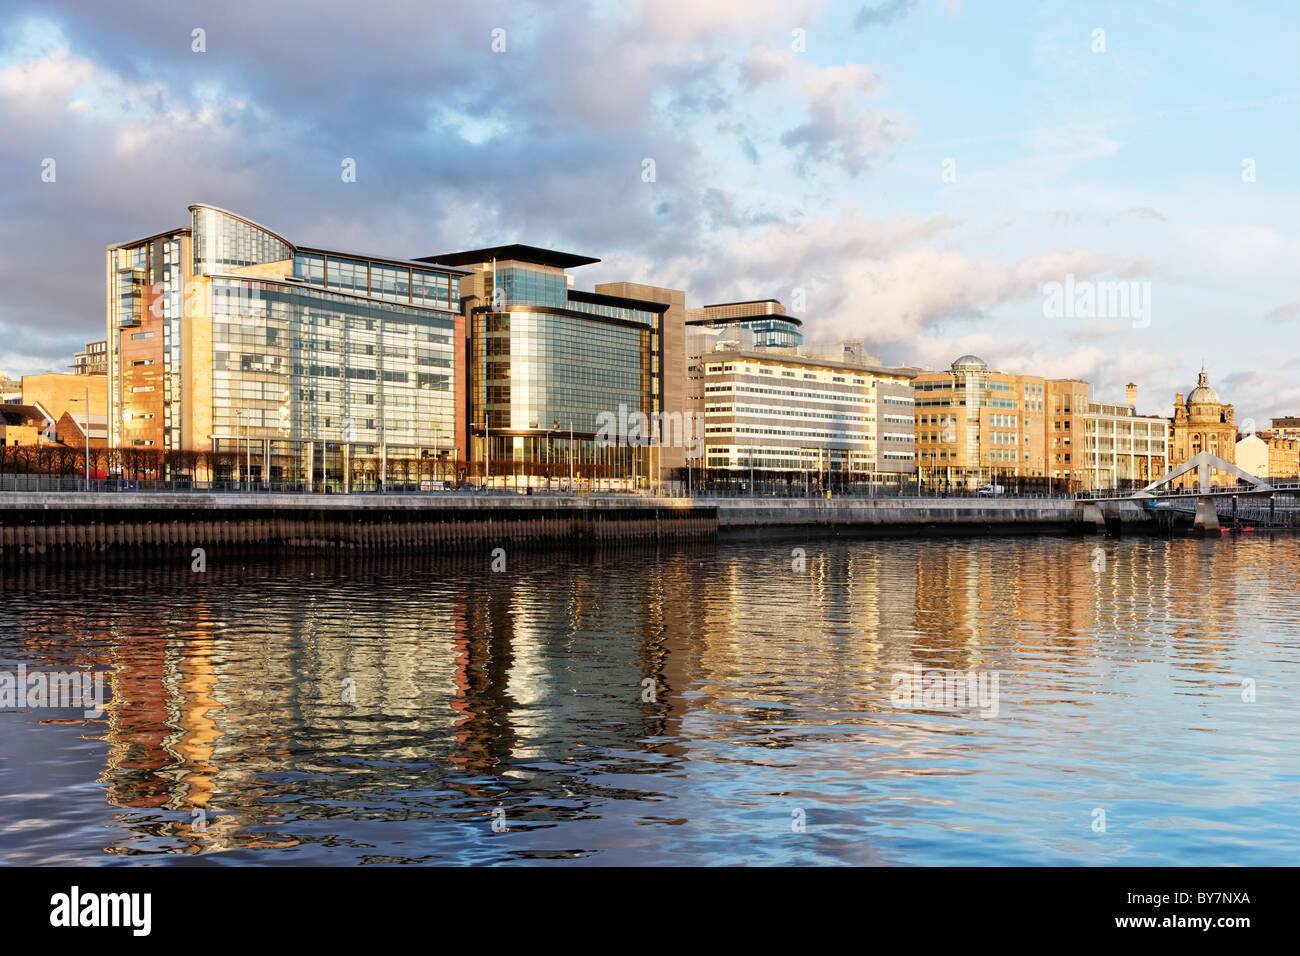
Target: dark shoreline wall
(57, 527)
(749, 518)
(75, 526)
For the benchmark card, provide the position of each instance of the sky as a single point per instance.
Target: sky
(929, 175)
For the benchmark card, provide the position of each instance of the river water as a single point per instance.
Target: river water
(1079, 701)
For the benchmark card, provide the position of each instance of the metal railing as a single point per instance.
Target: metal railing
(43, 484)
(1284, 486)
(52, 484)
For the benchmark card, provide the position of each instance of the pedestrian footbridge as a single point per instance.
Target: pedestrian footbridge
(1267, 504)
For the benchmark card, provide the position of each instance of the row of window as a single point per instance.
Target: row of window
(379, 280)
(769, 411)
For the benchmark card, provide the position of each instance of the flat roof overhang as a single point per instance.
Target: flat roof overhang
(516, 251)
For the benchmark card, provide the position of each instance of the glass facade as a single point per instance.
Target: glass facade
(346, 369)
(223, 242)
(309, 364)
(347, 275)
(309, 268)
(530, 287)
(768, 332)
(524, 287)
(774, 333)
(379, 280)
(169, 306)
(641, 316)
(531, 370)
(130, 297)
(145, 281)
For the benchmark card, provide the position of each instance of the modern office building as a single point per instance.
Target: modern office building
(1122, 449)
(766, 318)
(796, 418)
(283, 361)
(976, 426)
(548, 365)
(1063, 418)
(670, 454)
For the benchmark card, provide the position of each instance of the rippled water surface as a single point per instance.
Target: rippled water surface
(705, 705)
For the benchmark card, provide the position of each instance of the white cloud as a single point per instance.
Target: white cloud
(708, 19)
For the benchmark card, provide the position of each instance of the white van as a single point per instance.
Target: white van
(990, 490)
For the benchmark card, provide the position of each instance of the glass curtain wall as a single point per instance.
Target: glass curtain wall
(538, 378)
(299, 366)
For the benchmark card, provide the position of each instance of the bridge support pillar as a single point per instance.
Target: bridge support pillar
(1207, 519)
(1092, 518)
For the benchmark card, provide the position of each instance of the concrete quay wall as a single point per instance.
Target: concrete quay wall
(927, 516)
(73, 523)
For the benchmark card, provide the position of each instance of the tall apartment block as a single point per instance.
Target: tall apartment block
(298, 362)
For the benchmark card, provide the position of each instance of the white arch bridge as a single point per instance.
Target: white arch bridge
(1248, 500)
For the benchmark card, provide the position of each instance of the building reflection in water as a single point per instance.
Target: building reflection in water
(262, 706)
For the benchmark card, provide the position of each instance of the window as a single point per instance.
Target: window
(309, 268)
(347, 274)
(390, 282)
(429, 288)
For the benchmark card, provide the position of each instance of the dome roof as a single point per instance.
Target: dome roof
(969, 363)
(1202, 394)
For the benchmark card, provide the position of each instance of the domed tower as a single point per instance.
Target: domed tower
(1202, 422)
(970, 363)
(1203, 403)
